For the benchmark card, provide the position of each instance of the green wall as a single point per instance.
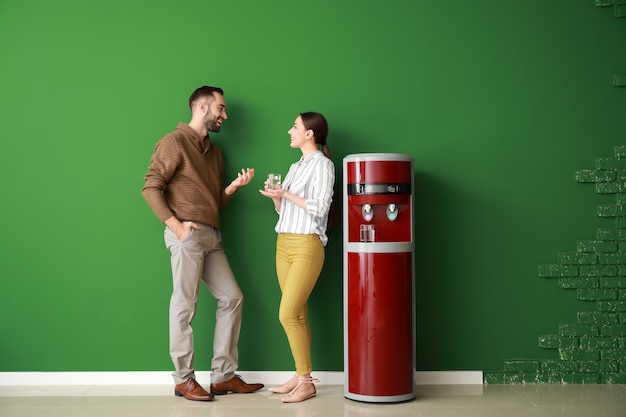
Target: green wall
(499, 103)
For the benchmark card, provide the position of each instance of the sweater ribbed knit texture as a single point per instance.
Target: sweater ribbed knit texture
(185, 178)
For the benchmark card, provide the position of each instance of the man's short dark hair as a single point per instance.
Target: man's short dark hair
(203, 91)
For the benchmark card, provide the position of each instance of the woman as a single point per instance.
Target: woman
(303, 203)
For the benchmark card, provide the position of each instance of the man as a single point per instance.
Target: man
(184, 188)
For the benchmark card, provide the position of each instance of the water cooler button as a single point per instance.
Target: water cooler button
(367, 212)
(392, 212)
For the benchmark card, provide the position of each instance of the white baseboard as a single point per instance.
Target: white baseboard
(165, 378)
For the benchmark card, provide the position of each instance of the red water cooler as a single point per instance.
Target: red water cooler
(378, 278)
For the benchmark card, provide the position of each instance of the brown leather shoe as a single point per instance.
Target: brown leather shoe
(191, 390)
(236, 385)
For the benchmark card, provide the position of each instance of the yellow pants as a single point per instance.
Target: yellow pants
(299, 261)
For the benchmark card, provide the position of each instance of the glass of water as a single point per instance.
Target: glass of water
(273, 181)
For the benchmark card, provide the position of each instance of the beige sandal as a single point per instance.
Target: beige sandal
(302, 391)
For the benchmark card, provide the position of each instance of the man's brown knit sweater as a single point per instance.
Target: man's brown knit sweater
(185, 178)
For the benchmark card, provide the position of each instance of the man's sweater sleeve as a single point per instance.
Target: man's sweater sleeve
(163, 164)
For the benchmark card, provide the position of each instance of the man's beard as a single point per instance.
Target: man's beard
(212, 126)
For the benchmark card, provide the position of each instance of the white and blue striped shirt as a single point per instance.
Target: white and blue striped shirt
(313, 179)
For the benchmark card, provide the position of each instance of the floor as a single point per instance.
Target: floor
(431, 401)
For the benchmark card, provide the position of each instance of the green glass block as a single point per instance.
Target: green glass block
(597, 317)
(585, 378)
(576, 329)
(580, 258)
(530, 377)
(609, 188)
(613, 330)
(609, 366)
(612, 305)
(591, 343)
(619, 151)
(610, 282)
(591, 175)
(548, 378)
(520, 365)
(585, 175)
(596, 246)
(553, 271)
(566, 355)
(569, 366)
(614, 354)
(550, 366)
(594, 175)
(513, 378)
(587, 282)
(494, 378)
(581, 378)
(594, 294)
(613, 259)
(589, 366)
(607, 233)
(569, 342)
(550, 341)
(597, 270)
(608, 210)
(614, 378)
(586, 355)
(610, 163)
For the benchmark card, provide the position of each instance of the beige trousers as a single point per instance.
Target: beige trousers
(201, 257)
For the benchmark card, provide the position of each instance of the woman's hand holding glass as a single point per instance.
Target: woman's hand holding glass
(273, 187)
(272, 190)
